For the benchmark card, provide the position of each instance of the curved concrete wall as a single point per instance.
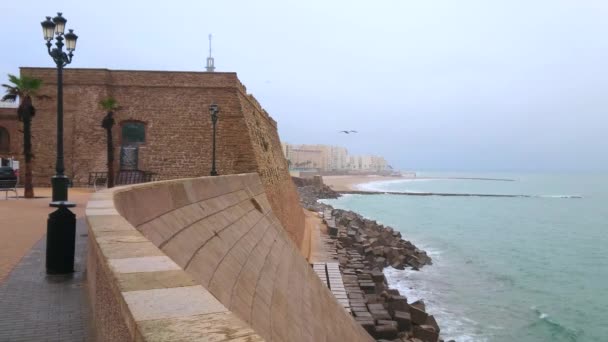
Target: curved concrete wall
(237, 259)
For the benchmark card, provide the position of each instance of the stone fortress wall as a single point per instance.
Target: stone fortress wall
(173, 106)
(204, 259)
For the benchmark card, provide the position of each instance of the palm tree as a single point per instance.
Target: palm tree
(109, 104)
(24, 88)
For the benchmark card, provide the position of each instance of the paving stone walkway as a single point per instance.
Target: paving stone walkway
(38, 307)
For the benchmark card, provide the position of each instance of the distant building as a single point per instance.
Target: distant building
(330, 159)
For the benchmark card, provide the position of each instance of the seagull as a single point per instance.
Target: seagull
(348, 132)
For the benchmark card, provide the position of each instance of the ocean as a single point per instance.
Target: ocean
(505, 268)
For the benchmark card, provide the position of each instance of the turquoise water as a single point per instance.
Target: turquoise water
(505, 269)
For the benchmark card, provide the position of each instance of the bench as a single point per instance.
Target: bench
(8, 186)
(124, 177)
(98, 178)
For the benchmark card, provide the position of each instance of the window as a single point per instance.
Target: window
(5, 145)
(133, 133)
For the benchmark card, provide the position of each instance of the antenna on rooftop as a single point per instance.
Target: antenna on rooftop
(210, 61)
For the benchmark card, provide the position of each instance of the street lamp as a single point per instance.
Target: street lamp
(213, 110)
(61, 225)
(56, 28)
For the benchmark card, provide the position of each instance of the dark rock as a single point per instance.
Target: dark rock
(378, 276)
(403, 319)
(385, 331)
(380, 314)
(418, 316)
(367, 324)
(366, 314)
(376, 307)
(397, 303)
(388, 322)
(426, 333)
(419, 304)
(397, 265)
(430, 320)
(393, 292)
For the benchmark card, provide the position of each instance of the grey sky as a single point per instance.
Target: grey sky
(477, 85)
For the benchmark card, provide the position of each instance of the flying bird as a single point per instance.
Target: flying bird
(348, 132)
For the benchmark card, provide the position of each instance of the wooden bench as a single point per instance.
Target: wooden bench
(9, 186)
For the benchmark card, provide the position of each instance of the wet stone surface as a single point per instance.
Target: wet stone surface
(35, 306)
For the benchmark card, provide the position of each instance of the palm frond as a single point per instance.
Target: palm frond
(9, 98)
(14, 80)
(109, 104)
(22, 86)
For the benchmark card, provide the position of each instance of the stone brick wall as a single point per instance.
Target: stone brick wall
(174, 108)
(272, 166)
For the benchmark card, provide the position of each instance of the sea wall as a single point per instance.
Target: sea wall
(203, 259)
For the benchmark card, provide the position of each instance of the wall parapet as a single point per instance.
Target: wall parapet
(203, 259)
(139, 294)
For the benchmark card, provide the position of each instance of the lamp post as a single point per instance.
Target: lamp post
(55, 28)
(213, 110)
(61, 224)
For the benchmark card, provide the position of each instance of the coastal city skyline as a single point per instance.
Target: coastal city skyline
(315, 157)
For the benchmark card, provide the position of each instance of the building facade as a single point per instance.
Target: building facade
(163, 126)
(329, 158)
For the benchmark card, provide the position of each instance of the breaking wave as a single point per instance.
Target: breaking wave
(558, 331)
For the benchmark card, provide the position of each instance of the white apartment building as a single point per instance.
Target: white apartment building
(330, 158)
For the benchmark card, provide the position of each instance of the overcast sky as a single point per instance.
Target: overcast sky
(452, 85)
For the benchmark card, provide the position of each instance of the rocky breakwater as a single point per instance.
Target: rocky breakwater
(364, 248)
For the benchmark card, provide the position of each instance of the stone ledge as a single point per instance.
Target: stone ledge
(155, 299)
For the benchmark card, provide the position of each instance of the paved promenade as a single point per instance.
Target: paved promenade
(34, 306)
(23, 223)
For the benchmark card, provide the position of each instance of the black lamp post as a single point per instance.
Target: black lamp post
(55, 28)
(213, 110)
(61, 225)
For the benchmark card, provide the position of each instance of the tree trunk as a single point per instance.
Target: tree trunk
(110, 146)
(27, 151)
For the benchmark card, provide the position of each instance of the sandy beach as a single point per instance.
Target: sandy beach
(351, 183)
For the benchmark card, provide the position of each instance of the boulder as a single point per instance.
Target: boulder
(367, 324)
(378, 276)
(430, 320)
(403, 319)
(418, 316)
(397, 303)
(426, 333)
(385, 331)
(419, 304)
(380, 315)
(388, 322)
(398, 265)
(375, 307)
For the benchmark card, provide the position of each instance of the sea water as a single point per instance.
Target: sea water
(505, 269)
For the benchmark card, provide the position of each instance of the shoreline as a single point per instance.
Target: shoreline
(353, 183)
(364, 249)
